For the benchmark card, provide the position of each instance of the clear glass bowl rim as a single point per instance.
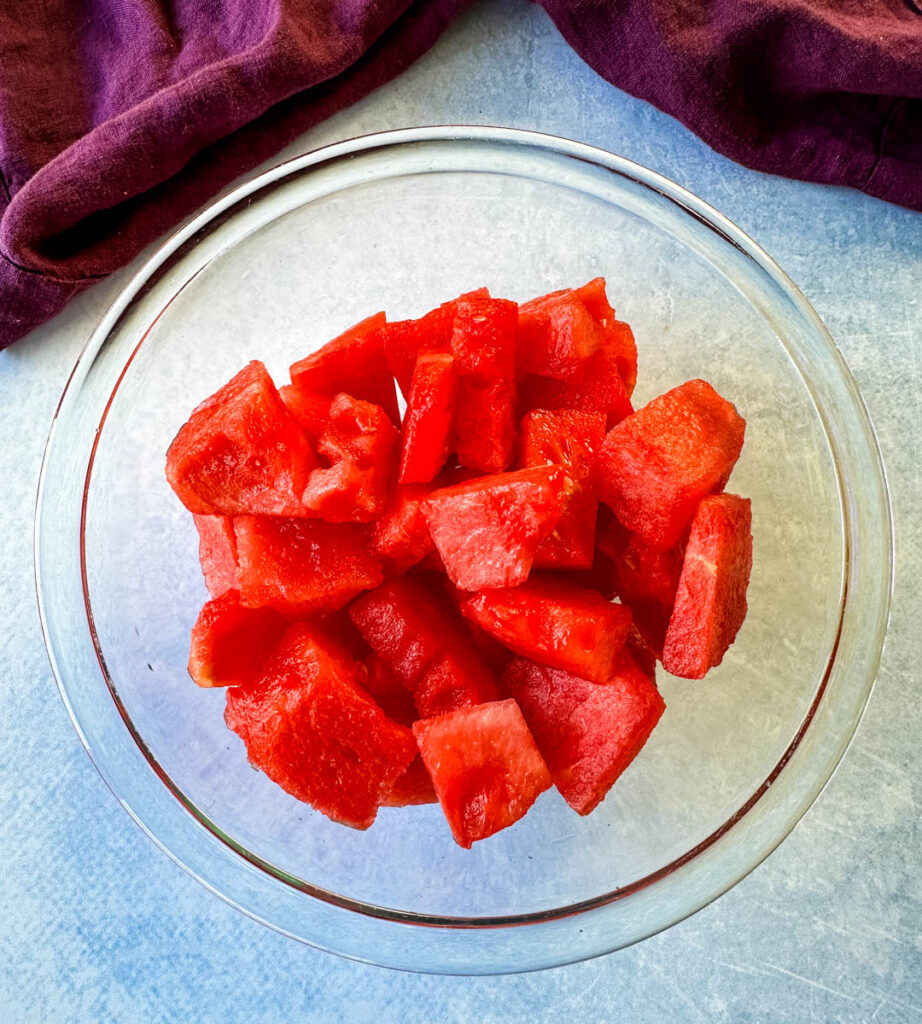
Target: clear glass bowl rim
(875, 493)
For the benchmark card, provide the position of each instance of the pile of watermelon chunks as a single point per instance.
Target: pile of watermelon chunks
(405, 612)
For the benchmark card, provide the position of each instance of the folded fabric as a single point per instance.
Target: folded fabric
(118, 119)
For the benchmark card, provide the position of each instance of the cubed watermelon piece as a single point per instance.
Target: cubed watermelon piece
(340, 630)
(413, 788)
(556, 336)
(355, 363)
(217, 551)
(569, 438)
(422, 638)
(400, 537)
(454, 679)
(646, 579)
(617, 337)
(710, 603)
(656, 466)
(232, 644)
(485, 766)
(483, 343)
(429, 420)
(311, 728)
(554, 623)
(360, 443)
(241, 452)
(487, 530)
(641, 652)
(598, 388)
(302, 566)
(387, 691)
(406, 340)
(490, 649)
(311, 410)
(588, 733)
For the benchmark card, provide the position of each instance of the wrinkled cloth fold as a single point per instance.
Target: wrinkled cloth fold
(120, 117)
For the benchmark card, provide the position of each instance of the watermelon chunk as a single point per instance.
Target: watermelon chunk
(485, 767)
(405, 340)
(424, 643)
(642, 653)
(310, 410)
(387, 691)
(483, 343)
(427, 426)
(568, 438)
(241, 452)
(395, 700)
(597, 388)
(339, 629)
(217, 551)
(231, 644)
(556, 624)
(311, 728)
(646, 579)
(710, 603)
(354, 363)
(556, 336)
(302, 567)
(656, 466)
(413, 788)
(587, 733)
(400, 537)
(361, 444)
(617, 337)
(487, 530)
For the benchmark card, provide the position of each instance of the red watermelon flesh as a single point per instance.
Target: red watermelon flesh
(490, 650)
(339, 629)
(483, 343)
(310, 410)
(241, 452)
(429, 420)
(710, 603)
(617, 337)
(588, 733)
(217, 551)
(396, 701)
(411, 626)
(400, 537)
(641, 652)
(556, 337)
(302, 566)
(568, 438)
(487, 530)
(311, 728)
(485, 767)
(354, 363)
(360, 443)
(646, 579)
(656, 466)
(405, 340)
(231, 644)
(413, 788)
(387, 691)
(556, 624)
(599, 388)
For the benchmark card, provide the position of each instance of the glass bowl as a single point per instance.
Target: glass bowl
(400, 221)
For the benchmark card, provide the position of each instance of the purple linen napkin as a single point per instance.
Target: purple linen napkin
(120, 117)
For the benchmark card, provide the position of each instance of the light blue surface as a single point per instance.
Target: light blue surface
(97, 925)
